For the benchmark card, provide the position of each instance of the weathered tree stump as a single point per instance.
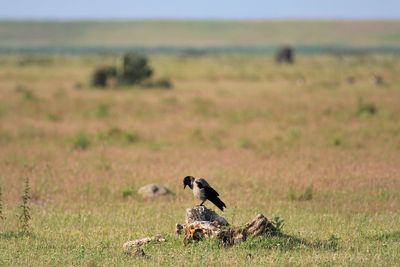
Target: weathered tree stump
(201, 213)
(202, 222)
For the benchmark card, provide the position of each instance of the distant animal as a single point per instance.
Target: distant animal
(377, 79)
(203, 191)
(285, 55)
(351, 80)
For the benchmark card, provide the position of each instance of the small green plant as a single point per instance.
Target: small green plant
(246, 143)
(337, 141)
(53, 117)
(25, 213)
(131, 137)
(27, 94)
(116, 134)
(1, 205)
(127, 192)
(102, 111)
(278, 222)
(366, 108)
(332, 243)
(81, 141)
(304, 196)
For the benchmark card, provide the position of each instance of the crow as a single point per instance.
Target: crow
(203, 191)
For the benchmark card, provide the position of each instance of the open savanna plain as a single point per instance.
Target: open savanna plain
(305, 143)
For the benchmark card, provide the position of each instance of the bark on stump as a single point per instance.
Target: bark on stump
(202, 222)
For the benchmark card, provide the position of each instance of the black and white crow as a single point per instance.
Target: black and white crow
(203, 191)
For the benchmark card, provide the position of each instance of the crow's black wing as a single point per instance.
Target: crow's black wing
(212, 196)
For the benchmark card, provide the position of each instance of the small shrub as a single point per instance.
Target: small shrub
(332, 243)
(246, 143)
(304, 196)
(27, 94)
(25, 215)
(366, 108)
(127, 192)
(81, 141)
(101, 75)
(131, 137)
(337, 141)
(53, 117)
(117, 134)
(1, 204)
(278, 223)
(102, 111)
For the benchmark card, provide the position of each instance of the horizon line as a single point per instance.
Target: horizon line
(250, 19)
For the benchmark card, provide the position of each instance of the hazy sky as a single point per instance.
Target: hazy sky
(70, 9)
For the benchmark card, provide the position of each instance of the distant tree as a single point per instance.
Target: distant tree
(134, 69)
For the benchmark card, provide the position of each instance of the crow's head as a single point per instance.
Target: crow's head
(188, 181)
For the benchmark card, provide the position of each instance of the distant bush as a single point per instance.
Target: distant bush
(134, 69)
(101, 75)
(81, 141)
(365, 108)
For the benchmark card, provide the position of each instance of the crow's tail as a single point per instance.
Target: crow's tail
(217, 202)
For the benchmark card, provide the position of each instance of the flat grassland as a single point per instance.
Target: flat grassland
(261, 133)
(159, 35)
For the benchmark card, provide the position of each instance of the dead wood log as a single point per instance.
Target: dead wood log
(201, 213)
(205, 223)
(134, 247)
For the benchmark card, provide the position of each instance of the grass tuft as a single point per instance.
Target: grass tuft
(366, 108)
(306, 195)
(54, 117)
(102, 111)
(1, 205)
(25, 211)
(116, 134)
(81, 141)
(127, 192)
(26, 93)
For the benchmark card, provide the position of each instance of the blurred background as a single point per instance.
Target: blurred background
(210, 26)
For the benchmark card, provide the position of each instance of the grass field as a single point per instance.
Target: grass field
(180, 36)
(261, 133)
